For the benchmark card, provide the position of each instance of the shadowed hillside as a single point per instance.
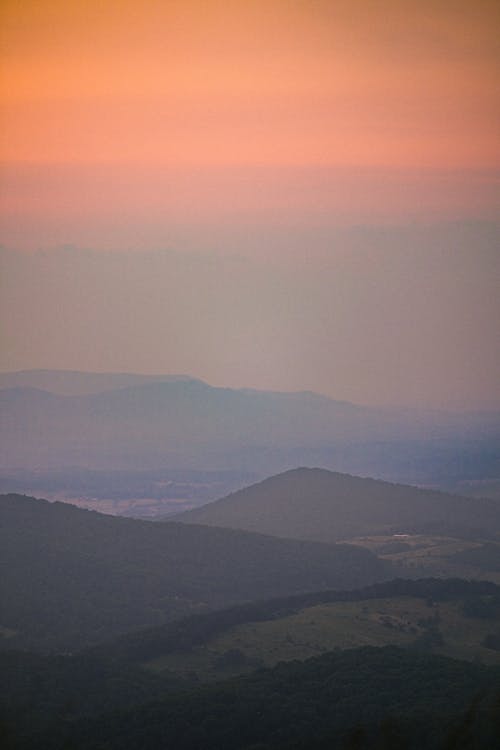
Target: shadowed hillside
(73, 577)
(450, 616)
(369, 699)
(326, 506)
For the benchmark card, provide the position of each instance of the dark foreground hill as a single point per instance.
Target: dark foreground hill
(42, 691)
(365, 698)
(326, 506)
(72, 577)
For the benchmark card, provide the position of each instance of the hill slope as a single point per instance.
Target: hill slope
(72, 577)
(450, 616)
(365, 698)
(325, 506)
(45, 692)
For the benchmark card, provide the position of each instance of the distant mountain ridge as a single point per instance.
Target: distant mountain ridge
(76, 383)
(181, 422)
(326, 506)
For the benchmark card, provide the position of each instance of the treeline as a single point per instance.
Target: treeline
(478, 596)
(364, 698)
(45, 696)
(37, 689)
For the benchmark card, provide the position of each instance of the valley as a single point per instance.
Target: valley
(203, 590)
(450, 628)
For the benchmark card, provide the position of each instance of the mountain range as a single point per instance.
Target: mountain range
(53, 420)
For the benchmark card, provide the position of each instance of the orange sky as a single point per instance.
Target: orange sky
(391, 83)
(269, 134)
(226, 110)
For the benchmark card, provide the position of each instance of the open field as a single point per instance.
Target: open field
(442, 627)
(434, 555)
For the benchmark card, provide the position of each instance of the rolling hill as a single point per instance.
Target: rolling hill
(326, 506)
(45, 697)
(73, 577)
(367, 698)
(452, 617)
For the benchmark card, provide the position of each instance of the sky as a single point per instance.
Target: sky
(277, 194)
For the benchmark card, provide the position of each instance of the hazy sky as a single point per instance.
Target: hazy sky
(282, 194)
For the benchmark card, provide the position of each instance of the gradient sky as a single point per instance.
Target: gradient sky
(269, 193)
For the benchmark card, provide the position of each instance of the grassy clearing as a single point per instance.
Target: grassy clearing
(341, 625)
(7, 632)
(430, 555)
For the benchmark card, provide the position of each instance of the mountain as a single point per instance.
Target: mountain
(75, 383)
(326, 506)
(187, 424)
(72, 577)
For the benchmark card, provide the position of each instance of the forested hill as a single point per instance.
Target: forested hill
(46, 695)
(366, 698)
(326, 506)
(477, 598)
(72, 577)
